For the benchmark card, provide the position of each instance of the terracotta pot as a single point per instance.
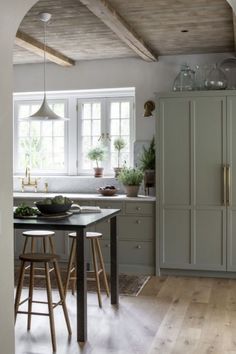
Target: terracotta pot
(131, 191)
(117, 171)
(149, 178)
(98, 171)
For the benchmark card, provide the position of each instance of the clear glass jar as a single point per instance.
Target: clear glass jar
(216, 79)
(201, 72)
(184, 81)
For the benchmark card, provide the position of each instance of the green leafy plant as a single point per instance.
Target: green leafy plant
(130, 176)
(96, 154)
(119, 144)
(148, 157)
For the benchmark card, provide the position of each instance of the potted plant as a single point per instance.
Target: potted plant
(148, 163)
(97, 154)
(131, 179)
(119, 144)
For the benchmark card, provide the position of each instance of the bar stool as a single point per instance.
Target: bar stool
(45, 259)
(96, 253)
(45, 236)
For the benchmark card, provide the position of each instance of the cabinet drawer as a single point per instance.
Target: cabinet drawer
(133, 253)
(141, 208)
(136, 227)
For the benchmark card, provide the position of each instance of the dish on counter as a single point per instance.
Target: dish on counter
(107, 191)
(56, 205)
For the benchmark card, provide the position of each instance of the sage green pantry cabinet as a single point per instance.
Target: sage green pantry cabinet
(196, 205)
(135, 227)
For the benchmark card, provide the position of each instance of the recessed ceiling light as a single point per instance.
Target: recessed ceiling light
(184, 30)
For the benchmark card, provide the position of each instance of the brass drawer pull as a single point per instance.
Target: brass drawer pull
(107, 245)
(138, 222)
(138, 247)
(138, 208)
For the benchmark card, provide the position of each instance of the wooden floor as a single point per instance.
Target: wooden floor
(174, 315)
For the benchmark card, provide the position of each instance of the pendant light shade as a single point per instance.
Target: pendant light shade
(45, 113)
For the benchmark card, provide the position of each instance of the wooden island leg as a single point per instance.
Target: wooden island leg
(114, 263)
(81, 286)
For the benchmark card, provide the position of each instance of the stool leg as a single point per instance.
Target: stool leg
(44, 245)
(62, 296)
(71, 260)
(32, 244)
(52, 245)
(95, 265)
(25, 244)
(19, 287)
(50, 306)
(103, 267)
(31, 287)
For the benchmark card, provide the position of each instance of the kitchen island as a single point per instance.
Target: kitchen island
(135, 229)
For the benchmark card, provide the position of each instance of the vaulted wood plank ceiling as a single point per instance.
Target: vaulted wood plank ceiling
(77, 33)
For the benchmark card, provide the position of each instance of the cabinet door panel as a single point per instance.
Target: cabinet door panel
(175, 151)
(175, 246)
(231, 135)
(210, 149)
(210, 239)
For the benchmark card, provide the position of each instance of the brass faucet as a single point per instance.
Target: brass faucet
(29, 182)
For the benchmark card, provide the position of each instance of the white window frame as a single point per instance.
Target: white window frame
(72, 100)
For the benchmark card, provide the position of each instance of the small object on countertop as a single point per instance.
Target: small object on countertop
(77, 209)
(24, 210)
(107, 191)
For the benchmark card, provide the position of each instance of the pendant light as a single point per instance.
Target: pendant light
(45, 113)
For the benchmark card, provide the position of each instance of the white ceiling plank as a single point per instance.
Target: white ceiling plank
(108, 15)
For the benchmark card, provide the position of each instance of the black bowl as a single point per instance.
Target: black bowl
(53, 208)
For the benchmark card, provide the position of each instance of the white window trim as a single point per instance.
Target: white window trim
(72, 99)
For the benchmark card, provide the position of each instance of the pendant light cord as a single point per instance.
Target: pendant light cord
(44, 57)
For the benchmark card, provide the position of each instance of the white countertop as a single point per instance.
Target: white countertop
(74, 196)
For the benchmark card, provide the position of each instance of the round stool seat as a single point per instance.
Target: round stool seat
(88, 234)
(38, 257)
(38, 233)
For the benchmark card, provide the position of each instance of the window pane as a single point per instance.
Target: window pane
(96, 113)
(125, 110)
(86, 109)
(96, 127)
(24, 111)
(35, 129)
(115, 110)
(58, 128)
(115, 127)
(23, 128)
(34, 108)
(124, 127)
(46, 128)
(58, 145)
(86, 127)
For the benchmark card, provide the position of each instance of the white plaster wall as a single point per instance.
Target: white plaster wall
(147, 78)
(11, 13)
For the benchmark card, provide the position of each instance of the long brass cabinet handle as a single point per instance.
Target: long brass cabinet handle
(228, 189)
(224, 184)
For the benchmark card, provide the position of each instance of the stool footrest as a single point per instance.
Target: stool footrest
(33, 313)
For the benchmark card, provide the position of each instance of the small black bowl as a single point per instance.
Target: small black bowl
(53, 208)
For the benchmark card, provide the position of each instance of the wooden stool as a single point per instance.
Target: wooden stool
(96, 252)
(44, 236)
(45, 259)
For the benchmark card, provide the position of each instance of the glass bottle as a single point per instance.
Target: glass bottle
(184, 81)
(201, 72)
(216, 79)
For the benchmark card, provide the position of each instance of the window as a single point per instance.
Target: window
(96, 117)
(40, 145)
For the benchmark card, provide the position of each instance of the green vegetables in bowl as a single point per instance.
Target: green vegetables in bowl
(25, 210)
(56, 205)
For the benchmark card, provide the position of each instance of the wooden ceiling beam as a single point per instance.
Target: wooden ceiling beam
(31, 44)
(108, 15)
